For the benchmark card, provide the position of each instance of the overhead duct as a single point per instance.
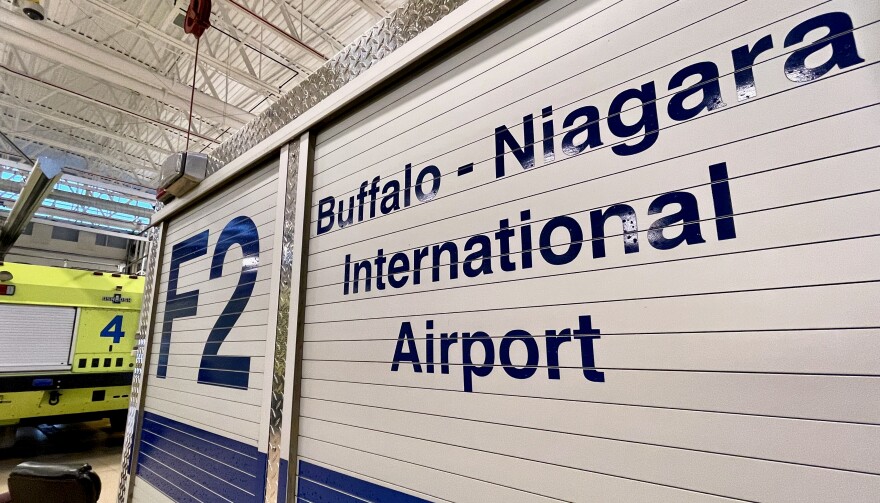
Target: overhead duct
(38, 185)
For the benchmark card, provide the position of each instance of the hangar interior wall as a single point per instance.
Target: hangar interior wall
(42, 244)
(607, 250)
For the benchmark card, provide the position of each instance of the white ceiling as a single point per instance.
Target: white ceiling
(103, 86)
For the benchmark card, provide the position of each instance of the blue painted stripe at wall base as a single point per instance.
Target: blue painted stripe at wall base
(189, 464)
(321, 485)
(209, 484)
(282, 480)
(316, 493)
(164, 486)
(159, 447)
(166, 479)
(247, 461)
(204, 438)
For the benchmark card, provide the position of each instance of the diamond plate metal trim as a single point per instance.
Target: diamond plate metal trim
(142, 341)
(399, 27)
(279, 366)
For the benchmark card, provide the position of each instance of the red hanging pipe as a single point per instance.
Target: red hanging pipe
(197, 20)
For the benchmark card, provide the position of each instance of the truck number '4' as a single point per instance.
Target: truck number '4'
(214, 369)
(114, 329)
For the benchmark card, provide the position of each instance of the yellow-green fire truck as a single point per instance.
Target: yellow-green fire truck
(66, 340)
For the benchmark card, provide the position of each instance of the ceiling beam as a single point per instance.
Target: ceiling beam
(311, 25)
(372, 7)
(291, 25)
(119, 186)
(69, 121)
(284, 35)
(78, 136)
(234, 73)
(93, 101)
(39, 39)
(88, 154)
(232, 32)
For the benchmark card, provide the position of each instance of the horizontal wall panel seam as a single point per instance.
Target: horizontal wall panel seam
(372, 237)
(624, 369)
(183, 221)
(586, 271)
(618, 404)
(151, 429)
(515, 78)
(631, 299)
(167, 414)
(158, 462)
(537, 462)
(563, 433)
(612, 334)
(154, 474)
(554, 163)
(324, 463)
(202, 454)
(215, 477)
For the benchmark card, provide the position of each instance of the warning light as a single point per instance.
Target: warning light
(7, 289)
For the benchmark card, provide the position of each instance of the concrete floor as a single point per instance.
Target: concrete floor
(93, 443)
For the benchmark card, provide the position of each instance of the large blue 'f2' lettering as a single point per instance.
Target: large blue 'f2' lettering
(214, 369)
(179, 305)
(222, 370)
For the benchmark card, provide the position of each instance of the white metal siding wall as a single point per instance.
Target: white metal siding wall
(35, 337)
(740, 365)
(200, 438)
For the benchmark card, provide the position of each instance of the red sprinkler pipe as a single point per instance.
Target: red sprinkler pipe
(283, 33)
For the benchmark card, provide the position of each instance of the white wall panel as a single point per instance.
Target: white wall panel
(230, 426)
(739, 364)
(501, 473)
(777, 268)
(186, 386)
(686, 469)
(200, 439)
(463, 132)
(735, 122)
(767, 438)
(774, 395)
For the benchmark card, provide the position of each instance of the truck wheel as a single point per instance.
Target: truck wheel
(7, 436)
(117, 422)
